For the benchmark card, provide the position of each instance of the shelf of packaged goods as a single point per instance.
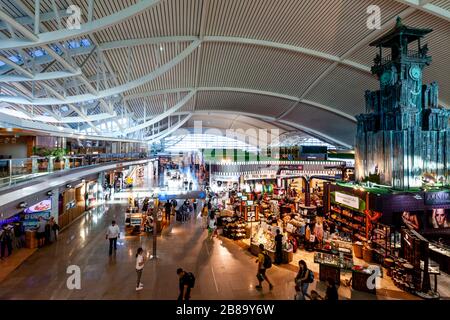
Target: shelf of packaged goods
(353, 211)
(381, 252)
(379, 243)
(336, 210)
(351, 217)
(347, 223)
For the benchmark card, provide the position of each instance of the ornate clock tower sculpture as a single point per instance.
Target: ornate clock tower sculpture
(404, 134)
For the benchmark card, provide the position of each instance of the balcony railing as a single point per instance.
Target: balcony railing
(13, 171)
(412, 54)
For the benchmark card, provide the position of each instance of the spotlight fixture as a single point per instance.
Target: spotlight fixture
(23, 205)
(49, 193)
(68, 186)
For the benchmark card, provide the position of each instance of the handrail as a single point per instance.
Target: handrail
(13, 171)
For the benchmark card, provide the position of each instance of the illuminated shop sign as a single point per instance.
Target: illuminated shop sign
(347, 200)
(260, 176)
(437, 198)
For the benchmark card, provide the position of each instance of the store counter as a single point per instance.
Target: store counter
(441, 256)
(288, 256)
(30, 239)
(360, 279)
(330, 265)
(328, 270)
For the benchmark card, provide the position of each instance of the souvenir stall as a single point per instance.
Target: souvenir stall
(264, 233)
(134, 218)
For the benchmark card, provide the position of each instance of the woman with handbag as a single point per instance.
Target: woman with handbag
(302, 280)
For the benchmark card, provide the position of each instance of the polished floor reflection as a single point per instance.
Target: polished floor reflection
(223, 268)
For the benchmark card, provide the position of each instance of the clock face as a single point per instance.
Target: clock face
(415, 72)
(386, 77)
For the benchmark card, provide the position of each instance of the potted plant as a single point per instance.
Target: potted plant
(41, 152)
(59, 154)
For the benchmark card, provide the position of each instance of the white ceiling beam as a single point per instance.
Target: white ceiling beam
(71, 106)
(27, 20)
(145, 41)
(428, 7)
(71, 69)
(38, 77)
(16, 25)
(114, 90)
(70, 133)
(291, 124)
(59, 119)
(251, 91)
(162, 116)
(15, 66)
(341, 59)
(37, 16)
(86, 28)
(168, 131)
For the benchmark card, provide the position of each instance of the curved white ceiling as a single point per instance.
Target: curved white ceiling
(300, 64)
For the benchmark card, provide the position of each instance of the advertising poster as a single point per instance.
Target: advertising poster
(33, 213)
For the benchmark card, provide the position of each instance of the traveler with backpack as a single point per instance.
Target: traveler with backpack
(187, 282)
(303, 279)
(264, 263)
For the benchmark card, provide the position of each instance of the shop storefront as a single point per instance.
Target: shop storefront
(72, 203)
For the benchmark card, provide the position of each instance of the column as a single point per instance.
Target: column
(100, 190)
(34, 164)
(50, 164)
(55, 205)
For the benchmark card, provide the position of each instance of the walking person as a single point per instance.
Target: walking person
(53, 229)
(212, 225)
(195, 203)
(278, 247)
(332, 293)
(184, 211)
(205, 217)
(168, 208)
(139, 268)
(264, 262)
(186, 283)
(48, 231)
(6, 237)
(303, 279)
(112, 234)
(40, 231)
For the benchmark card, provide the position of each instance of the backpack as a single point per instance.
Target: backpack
(191, 279)
(310, 277)
(267, 261)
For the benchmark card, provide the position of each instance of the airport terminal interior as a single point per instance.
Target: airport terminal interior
(225, 150)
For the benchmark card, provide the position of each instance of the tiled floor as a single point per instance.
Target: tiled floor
(224, 269)
(14, 261)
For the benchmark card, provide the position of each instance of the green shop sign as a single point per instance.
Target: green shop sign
(348, 200)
